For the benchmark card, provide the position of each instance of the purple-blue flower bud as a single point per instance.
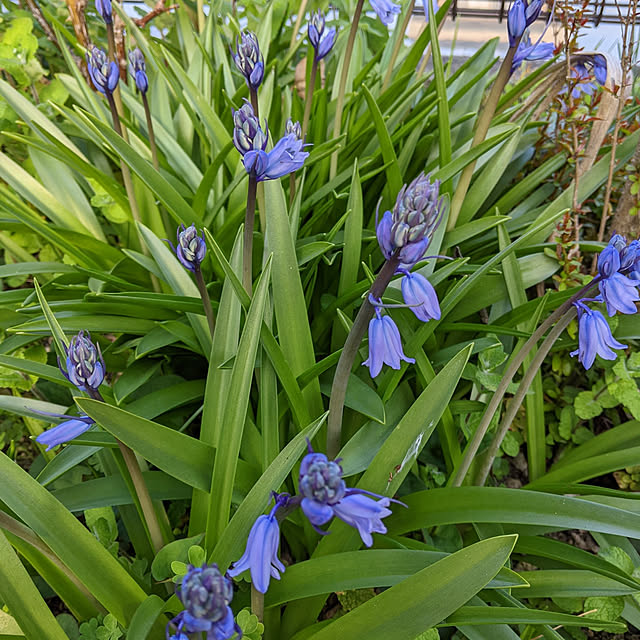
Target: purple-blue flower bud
(516, 21)
(247, 134)
(322, 41)
(65, 431)
(321, 479)
(206, 593)
(532, 11)
(104, 73)
(191, 248)
(421, 297)
(103, 7)
(293, 127)
(138, 69)
(249, 60)
(85, 366)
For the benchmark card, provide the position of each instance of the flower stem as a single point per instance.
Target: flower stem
(482, 127)
(206, 300)
(253, 95)
(492, 407)
(346, 63)
(257, 603)
(349, 351)
(309, 96)
(398, 44)
(152, 135)
(247, 248)
(142, 492)
(525, 383)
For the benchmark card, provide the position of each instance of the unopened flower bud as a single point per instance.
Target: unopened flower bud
(104, 73)
(249, 60)
(85, 366)
(137, 68)
(191, 248)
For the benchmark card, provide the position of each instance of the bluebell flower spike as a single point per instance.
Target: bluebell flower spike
(385, 345)
(260, 557)
(385, 10)
(65, 431)
(249, 60)
(618, 292)
(321, 40)
(104, 73)
(205, 594)
(84, 364)
(594, 337)
(138, 69)
(191, 248)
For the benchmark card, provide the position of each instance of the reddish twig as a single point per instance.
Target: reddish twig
(158, 10)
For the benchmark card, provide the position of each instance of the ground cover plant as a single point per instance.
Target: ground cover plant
(301, 330)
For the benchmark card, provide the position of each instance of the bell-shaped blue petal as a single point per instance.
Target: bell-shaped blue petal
(363, 513)
(385, 10)
(532, 11)
(619, 293)
(383, 233)
(594, 338)
(385, 346)
(317, 512)
(326, 43)
(285, 158)
(261, 554)
(600, 68)
(64, 432)
(421, 297)
(516, 22)
(103, 7)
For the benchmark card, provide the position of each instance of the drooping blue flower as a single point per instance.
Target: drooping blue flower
(248, 59)
(191, 248)
(205, 594)
(617, 291)
(261, 553)
(421, 297)
(325, 495)
(516, 21)
(322, 41)
(407, 231)
(531, 52)
(103, 7)
(583, 69)
(65, 431)
(138, 69)
(85, 366)
(594, 337)
(104, 73)
(385, 346)
(385, 10)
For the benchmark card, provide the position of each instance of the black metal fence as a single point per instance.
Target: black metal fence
(602, 11)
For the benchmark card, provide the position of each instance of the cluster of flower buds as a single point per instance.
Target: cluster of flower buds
(205, 594)
(294, 128)
(85, 366)
(321, 40)
(405, 234)
(386, 10)
(323, 494)
(138, 70)
(104, 72)
(251, 141)
(522, 14)
(248, 59)
(618, 279)
(191, 248)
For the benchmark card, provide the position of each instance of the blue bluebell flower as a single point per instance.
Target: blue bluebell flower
(261, 553)
(138, 69)
(385, 10)
(531, 52)
(583, 69)
(65, 431)
(516, 21)
(325, 495)
(191, 248)
(421, 297)
(617, 291)
(84, 365)
(407, 231)
(385, 346)
(205, 594)
(594, 337)
(104, 73)
(322, 41)
(103, 7)
(250, 140)
(249, 60)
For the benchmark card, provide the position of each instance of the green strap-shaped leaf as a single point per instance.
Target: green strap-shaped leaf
(76, 547)
(144, 618)
(235, 413)
(426, 598)
(288, 296)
